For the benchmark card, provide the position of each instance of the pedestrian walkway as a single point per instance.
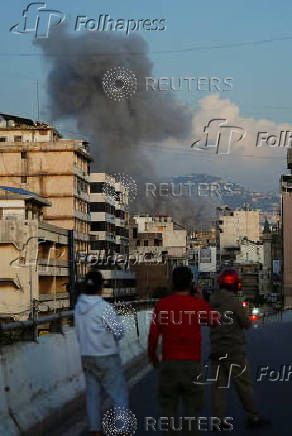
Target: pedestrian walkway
(269, 344)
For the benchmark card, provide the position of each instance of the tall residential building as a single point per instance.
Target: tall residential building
(109, 215)
(109, 234)
(234, 225)
(35, 157)
(286, 192)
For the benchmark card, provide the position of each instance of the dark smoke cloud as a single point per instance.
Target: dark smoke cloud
(118, 131)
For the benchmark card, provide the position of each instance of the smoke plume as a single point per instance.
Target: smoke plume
(118, 131)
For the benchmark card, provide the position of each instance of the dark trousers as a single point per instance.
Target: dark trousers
(176, 379)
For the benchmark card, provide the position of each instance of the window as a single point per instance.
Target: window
(145, 243)
(97, 207)
(17, 138)
(2, 138)
(99, 226)
(23, 179)
(97, 187)
(24, 155)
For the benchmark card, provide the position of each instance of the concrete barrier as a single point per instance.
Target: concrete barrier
(40, 379)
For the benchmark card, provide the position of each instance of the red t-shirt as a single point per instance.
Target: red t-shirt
(178, 319)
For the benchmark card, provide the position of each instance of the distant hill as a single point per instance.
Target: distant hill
(230, 193)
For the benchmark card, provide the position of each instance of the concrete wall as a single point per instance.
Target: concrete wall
(39, 380)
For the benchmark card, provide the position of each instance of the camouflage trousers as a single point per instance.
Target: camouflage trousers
(235, 369)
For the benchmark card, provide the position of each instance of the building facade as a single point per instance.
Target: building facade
(35, 157)
(35, 264)
(232, 226)
(109, 235)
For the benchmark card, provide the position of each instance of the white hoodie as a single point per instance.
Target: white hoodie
(98, 327)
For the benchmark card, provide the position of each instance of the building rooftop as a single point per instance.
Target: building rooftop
(17, 120)
(14, 193)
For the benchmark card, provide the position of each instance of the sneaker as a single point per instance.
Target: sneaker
(257, 421)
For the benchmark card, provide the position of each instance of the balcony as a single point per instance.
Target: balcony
(80, 173)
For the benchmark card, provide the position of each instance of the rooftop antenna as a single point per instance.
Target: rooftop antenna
(38, 100)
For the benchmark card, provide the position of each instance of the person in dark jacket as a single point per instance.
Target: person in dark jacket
(228, 354)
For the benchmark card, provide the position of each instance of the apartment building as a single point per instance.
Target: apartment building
(35, 264)
(232, 226)
(109, 234)
(35, 157)
(157, 245)
(109, 215)
(159, 236)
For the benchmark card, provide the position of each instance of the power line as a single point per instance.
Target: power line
(183, 50)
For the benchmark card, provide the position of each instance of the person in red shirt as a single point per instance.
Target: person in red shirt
(177, 319)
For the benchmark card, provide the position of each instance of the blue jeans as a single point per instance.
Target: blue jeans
(103, 375)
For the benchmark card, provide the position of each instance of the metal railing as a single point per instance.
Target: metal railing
(30, 330)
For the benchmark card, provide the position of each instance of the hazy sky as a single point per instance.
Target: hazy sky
(247, 40)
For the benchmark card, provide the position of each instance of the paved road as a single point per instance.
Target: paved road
(268, 344)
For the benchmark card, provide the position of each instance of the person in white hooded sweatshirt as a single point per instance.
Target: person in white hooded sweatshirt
(98, 331)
